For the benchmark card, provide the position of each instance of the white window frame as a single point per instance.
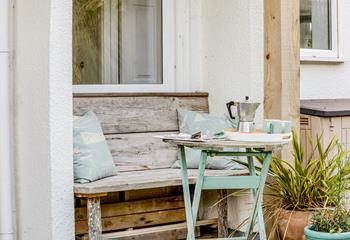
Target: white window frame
(332, 55)
(169, 58)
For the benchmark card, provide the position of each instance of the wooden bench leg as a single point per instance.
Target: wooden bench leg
(222, 214)
(94, 214)
(94, 220)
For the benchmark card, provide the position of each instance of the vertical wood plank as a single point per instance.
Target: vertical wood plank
(282, 61)
(94, 220)
(348, 137)
(222, 213)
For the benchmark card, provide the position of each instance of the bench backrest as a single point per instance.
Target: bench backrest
(130, 120)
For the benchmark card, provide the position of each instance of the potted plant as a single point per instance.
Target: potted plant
(332, 223)
(298, 187)
(329, 224)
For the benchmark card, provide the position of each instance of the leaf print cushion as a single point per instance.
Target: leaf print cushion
(91, 157)
(191, 122)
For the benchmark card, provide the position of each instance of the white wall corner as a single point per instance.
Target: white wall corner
(43, 119)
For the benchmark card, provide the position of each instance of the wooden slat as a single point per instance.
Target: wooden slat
(142, 94)
(154, 233)
(135, 220)
(140, 151)
(345, 122)
(172, 234)
(155, 178)
(138, 114)
(133, 207)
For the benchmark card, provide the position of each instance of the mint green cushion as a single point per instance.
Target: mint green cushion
(92, 158)
(192, 122)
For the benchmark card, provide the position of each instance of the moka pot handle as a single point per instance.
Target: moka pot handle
(229, 108)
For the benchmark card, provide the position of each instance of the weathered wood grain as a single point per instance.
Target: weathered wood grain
(135, 220)
(142, 94)
(282, 60)
(140, 151)
(172, 234)
(93, 226)
(282, 63)
(133, 207)
(169, 232)
(138, 114)
(155, 178)
(224, 144)
(222, 214)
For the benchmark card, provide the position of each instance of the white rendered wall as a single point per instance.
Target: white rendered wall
(43, 124)
(233, 66)
(325, 80)
(232, 52)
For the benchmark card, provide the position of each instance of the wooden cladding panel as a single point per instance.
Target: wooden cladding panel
(345, 122)
(139, 114)
(141, 151)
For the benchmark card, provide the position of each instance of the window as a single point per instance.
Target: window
(118, 45)
(318, 30)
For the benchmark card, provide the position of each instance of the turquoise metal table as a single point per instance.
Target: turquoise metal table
(252, 181)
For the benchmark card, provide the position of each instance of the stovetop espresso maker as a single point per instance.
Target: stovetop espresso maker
(246, 114)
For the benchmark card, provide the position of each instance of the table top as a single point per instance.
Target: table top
(221, 144)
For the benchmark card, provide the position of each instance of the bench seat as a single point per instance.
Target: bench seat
(145, 179)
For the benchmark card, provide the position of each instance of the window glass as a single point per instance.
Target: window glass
(315, 24)
(117, 42)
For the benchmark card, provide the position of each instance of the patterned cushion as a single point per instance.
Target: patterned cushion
(92, 158)
(192, 122)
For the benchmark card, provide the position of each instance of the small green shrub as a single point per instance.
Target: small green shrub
(331, 221)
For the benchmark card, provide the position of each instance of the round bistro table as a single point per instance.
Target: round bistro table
(252, 181)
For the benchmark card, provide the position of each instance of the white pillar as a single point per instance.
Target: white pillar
(43, 119)
(6, 206)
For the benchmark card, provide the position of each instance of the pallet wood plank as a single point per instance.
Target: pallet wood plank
(135, 220)
(222, 213)
(133, 207)
(154, 231)
(154, 178)
(138, 114)
(141, 151)
(142, 94)
(175, 234)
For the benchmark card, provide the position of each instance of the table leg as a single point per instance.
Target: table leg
(261, 223)
(199, 185)
(259, 194)
(187, 195)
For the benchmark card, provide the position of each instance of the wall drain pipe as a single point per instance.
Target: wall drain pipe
(6, 205)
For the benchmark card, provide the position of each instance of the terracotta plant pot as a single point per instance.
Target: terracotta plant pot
(291, 224)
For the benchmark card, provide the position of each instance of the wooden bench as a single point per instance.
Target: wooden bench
(129, 122)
